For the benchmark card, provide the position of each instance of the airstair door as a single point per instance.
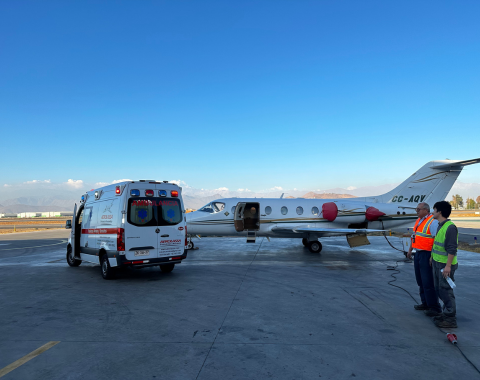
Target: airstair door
(238, 217)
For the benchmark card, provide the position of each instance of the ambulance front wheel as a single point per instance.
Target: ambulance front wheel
(190, 245)
(315, 246)
(108, 272)
(167, 268)
(71, 260)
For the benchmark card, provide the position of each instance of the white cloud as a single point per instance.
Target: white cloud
(275, 188)
(7, 185)
(242, 190)
(351, 188)
(75, 183)
(221, 189)
(121, 180)
(36, 181)
(101, 184)
(179, 182)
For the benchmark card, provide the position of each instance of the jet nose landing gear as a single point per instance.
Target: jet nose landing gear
(314, 246)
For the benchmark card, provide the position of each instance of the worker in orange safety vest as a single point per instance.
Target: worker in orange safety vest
(423, 237)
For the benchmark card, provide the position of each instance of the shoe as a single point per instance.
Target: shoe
(439, 317)
(432, 313)
(421, 307)
(446, 323)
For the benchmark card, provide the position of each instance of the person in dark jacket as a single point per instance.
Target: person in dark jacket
(444, 263)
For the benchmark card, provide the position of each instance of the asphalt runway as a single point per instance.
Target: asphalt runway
(231, 310)
(29, 226)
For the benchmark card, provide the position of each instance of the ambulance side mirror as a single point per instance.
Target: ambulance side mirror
(68, 224)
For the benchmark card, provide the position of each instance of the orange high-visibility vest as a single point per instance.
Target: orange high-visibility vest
(423, 238)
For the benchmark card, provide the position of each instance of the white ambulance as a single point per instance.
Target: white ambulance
(134, 223)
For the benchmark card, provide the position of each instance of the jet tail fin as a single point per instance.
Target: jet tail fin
(431, 183)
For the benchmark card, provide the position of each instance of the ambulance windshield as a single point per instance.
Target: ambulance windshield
(152, 212)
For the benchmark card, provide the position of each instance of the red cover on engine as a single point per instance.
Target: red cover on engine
(372, 214)
(330, 211)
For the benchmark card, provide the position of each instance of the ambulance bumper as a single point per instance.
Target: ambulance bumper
(147, 262)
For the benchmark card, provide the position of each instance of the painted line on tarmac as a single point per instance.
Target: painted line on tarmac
(37, 246)
(26, 358)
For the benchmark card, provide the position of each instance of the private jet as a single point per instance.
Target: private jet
(312, 219)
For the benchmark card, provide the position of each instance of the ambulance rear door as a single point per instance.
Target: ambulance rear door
(141, 229)
(171, 238)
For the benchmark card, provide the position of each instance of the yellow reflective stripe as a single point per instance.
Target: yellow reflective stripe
(427, 225)
(424, 235)
(437, 252)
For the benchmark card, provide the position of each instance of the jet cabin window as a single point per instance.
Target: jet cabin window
(218, 206)
(207, 208)
(147, 212)
(214, 207)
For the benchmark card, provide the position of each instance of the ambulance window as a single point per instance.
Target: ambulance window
(207, 208)
(80, 218)
(218, 206)
(169, 212)
(299, 210)
(141, 212)
(284, 210)
(233, 209)
(268, 210)
(315, 210)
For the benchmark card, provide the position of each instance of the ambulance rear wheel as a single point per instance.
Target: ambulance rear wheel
(108, 272)
(190, 245)
(71, 260)
(167, 268)
(315, 246)
(305, 242)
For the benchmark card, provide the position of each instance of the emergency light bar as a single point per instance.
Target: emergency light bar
(149, 193)
(135, 193)
(118, 190)
(174, 193)
(162, 193)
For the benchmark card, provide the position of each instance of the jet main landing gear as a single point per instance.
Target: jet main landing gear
(314, 246)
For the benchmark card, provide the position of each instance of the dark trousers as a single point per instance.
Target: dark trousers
(424, 277)
(444, 291)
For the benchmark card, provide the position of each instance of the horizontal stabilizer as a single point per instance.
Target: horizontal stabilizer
(457, 164)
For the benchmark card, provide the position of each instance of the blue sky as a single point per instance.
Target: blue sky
(306, 94)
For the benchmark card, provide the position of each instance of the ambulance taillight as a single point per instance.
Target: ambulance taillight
(118, 190)
(149, 193)
(120, 239)
(174, 193)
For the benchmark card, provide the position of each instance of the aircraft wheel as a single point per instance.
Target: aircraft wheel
(315, 246)
(190, 245)
(305, 242)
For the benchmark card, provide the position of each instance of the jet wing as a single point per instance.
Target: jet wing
(324, 231)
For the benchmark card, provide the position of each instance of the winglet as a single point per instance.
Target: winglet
(457, 164)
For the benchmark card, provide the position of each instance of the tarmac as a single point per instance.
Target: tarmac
(231, 310)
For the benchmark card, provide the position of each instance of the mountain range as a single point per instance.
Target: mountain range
(195, 198)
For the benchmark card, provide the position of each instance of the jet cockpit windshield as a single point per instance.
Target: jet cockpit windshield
(213, 207)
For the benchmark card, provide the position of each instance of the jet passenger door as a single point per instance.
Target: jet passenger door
(238, 217)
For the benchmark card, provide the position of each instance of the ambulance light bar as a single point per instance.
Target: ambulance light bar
(162, 193)
(118, 190)
(174, 193)
(135, 193)
(149, 193)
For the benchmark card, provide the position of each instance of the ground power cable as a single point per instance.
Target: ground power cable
(228, 311)
(397, 271)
